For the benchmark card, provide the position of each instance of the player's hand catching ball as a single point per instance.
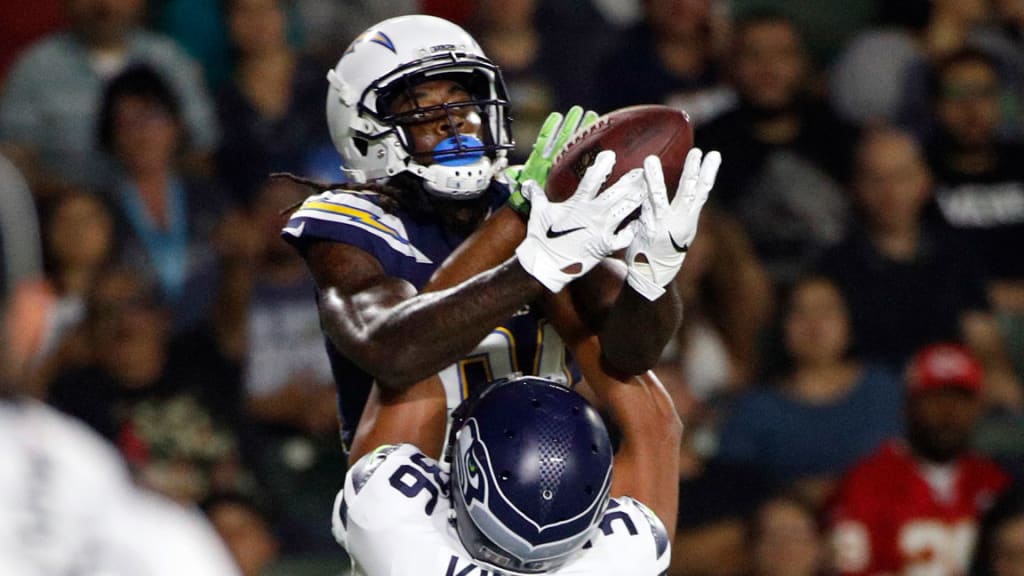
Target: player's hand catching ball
(554, 136)
(666, 229)
(564, 240)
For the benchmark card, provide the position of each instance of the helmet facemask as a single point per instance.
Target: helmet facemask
(463, 165)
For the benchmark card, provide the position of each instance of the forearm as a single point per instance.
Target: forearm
(632, 330)
(406, 341)
(637, 330)
(647, 461)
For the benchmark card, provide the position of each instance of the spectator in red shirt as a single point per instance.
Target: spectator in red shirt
(914, 506)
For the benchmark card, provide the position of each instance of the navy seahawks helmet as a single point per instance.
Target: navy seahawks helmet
(531, 470)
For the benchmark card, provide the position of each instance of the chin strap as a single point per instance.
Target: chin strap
(459, 182)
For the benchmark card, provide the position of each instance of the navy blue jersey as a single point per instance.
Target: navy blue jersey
(412, 246)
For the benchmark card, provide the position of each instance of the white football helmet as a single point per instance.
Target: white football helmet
(387, 60)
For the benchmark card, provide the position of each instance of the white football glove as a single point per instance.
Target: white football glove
(666, 230)
(564, 240)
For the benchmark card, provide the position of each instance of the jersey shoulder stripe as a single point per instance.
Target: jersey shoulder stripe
(658, 531)
(351, 218)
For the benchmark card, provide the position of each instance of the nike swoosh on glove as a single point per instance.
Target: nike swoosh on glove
(666, 229)
(564, 240)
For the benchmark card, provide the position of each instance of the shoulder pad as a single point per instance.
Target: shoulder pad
(362, 470)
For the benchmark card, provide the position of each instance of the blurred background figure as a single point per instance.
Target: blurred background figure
(20, 253)
(288, 394)
(884, 72)
(915, 505)
(1000, 549)
(906, 280)
(165, 218)
(137, 390)
(793, 150)
(785, 539)
(508, 33)
(272, 105)
(245, 529)
(52, 93)
(50, 462)
(979, 178)
(672, 56)
(822, 410)
(78, 243)
(329, 26)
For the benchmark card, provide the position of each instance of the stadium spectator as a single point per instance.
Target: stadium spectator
(266, 324)
(907, 283)
(915, 505)
(793, 150)
(326, 27)
(717, 498)
(198, 27)
(824, 409)
(785, 539)
(1000, 548)
(271, 109)
(245, 530)
(670, 57)
(165, 218)
(979, 178)
(52, 95)
(509, 35)
(78, 243)
(884, 72)
(20, 244)
(137, 391)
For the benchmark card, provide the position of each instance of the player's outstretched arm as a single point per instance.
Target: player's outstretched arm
(385, 327)
(653, 260)
(647, 461)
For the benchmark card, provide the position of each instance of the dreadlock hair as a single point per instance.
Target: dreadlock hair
(388, 192)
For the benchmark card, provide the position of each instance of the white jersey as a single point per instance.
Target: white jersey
(392, 518)
(70, 507)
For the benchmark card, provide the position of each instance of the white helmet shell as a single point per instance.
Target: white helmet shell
(394, 55)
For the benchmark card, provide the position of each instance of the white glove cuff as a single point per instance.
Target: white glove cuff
(539, 264)
(643, 284)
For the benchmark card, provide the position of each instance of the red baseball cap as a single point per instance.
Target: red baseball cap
(944, 365)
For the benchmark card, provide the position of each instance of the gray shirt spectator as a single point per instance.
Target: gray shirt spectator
(52, 96)
(20, 251)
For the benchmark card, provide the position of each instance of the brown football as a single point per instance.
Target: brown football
(634, 133)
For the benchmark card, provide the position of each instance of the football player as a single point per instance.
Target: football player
(420, 118)
(528, 492)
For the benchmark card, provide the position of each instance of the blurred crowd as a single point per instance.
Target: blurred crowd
(854, 299)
